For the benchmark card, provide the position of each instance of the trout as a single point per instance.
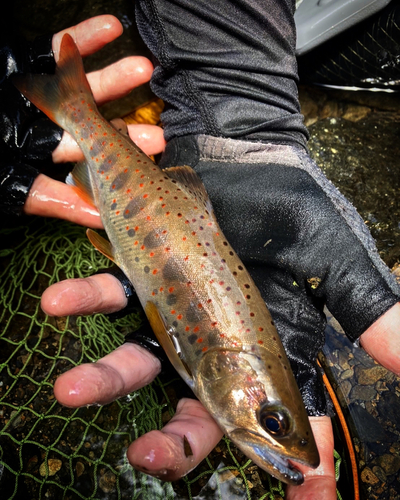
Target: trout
(201, 302)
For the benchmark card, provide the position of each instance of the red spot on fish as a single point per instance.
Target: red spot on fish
(161, 288)
(145, 196)
(179, 316)
(136, 228)
(205, 349)
(214, 324)
(252, 314)
(128, 190)
(141, 184)
(127, 157)
(105, 133)
(261, 342)
(261, 329)
(171, 289)
(148, 217)
(187, 328)
(167, 249)
(113, 186)
(200, 340)
(142, 247)
(155, 271)
(126, 170)
(186, 258)
(173, 311)
(200, 306)
(151, 254)
(127, 228)
(222, 335)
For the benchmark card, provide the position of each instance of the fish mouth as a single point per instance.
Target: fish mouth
(274, 463)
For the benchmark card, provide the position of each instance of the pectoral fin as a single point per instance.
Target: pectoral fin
(101, 244)
(159, 327)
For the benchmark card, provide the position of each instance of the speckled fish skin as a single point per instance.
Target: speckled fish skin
(204, 307)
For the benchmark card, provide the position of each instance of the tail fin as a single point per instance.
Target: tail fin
(51, 93)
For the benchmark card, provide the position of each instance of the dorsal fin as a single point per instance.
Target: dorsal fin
(188, 179)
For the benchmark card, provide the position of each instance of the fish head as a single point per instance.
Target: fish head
(258, 405)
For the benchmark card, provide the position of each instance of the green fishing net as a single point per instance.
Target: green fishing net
(48, 451)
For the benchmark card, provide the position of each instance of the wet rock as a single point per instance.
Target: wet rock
(347, 374)
(369, 376)
(53, 465)
(367, 476)
(345, 388)
(107, 481)
(363, 392)
(80, 468)
(379, 473)
(390, 464)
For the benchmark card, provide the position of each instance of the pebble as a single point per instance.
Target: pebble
(53, 465)
(367, 476)
(363, 392)
(389, 463)
(80, 468)
(107, 481)
(369, 376)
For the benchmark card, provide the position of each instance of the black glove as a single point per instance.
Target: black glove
(302, 241)
(28, 137)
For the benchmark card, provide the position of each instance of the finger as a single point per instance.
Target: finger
(320, 482)
(82, 296)
(126, 369)
(149, 138)
(90, 35)
(382, 339)
(50, 198)
(119, 78)
(180, 446)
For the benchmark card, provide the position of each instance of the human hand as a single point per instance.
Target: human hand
(50, 198)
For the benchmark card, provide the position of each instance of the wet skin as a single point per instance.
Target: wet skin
(130, 367)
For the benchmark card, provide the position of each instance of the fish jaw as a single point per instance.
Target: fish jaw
(253, 446)
(242, 395)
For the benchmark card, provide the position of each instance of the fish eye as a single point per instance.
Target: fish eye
(275, 421)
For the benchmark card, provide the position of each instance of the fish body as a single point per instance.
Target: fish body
(201, 302)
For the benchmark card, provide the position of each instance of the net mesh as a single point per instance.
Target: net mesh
(48, 451)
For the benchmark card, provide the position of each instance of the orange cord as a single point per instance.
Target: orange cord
(346, 433)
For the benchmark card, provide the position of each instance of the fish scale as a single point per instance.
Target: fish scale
(201, 302)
